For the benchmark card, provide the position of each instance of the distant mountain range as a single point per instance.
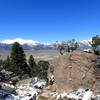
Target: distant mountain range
(26, 44)
(85, 44)
(34, 45)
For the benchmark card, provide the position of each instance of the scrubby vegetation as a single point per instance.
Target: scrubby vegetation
(96, 44)
(33, 66)
(68, 46)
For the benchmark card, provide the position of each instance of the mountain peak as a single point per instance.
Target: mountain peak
(86, 42)
(21, 41)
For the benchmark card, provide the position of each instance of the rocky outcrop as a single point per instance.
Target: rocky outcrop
(74, 70)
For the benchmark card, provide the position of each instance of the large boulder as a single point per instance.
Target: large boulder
(74, 70)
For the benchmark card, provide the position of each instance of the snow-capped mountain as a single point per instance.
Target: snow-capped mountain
(35, 45)
(21, 41)
(85, 44)
(26, 44)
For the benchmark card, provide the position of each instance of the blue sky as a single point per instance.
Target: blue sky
(49, 20)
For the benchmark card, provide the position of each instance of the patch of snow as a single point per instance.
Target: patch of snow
(79, 94)
(87, 50)
(27, 91)
(8, 85)
(40, 84)
(88, 95)
(58, 96)
(64, 95)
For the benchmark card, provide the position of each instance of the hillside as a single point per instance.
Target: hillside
(74, 79)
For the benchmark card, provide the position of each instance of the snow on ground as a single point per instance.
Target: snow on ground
(87, 95)
(80, 94)
(27, 91)
(31, 90)
(7, 85)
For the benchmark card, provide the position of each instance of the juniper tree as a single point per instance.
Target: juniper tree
(1, 64)
(18, 60)
(32, 66)
(95, 42)
(43, 70)
(7, 63)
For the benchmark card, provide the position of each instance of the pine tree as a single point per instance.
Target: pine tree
(32, 66)
(18, 60)
(7, 63)
(1, 64)
(43, 70)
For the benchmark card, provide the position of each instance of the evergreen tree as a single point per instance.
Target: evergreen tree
(32, 66)
(43, 70)
(1, 64)
(7, 64)
(18, 60)
(95, 42)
